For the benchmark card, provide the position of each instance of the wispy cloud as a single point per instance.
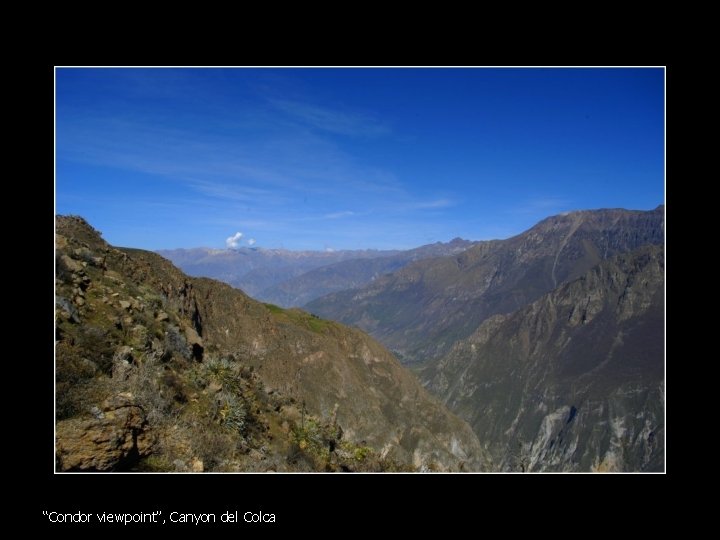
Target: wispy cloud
(437, 203)
(236, 192)
(333, 121)
(281, 161)
(542, 205)
(338, 215)
(413, 204)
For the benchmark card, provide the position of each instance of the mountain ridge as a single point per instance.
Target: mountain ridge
(352, 273)
(255, 269)
(293, 278)
(421, 310)
(164, 363)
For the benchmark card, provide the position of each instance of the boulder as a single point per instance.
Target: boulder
(192, 337)
(66, 309)
(113, 440)
(122, 363)
(71, 264)
(195, 342)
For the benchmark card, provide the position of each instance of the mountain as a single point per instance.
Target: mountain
(352, 274)
(423, 309)
(156, 370)
(293, 278)
(256, 269)
(573, 381)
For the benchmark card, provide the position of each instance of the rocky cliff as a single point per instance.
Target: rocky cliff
(573, 381)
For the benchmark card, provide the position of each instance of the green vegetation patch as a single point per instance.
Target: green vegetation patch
(274, 309)
(300, 318)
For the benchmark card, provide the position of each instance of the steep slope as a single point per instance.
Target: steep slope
(573, 381)
(156, 370)
(420, 311)
(352, 274)
(255, 269)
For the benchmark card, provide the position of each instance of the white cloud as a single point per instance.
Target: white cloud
(251, 242)
(232, 241)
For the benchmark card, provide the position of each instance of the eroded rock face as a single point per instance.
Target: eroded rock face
(574, 381)
(117, 434)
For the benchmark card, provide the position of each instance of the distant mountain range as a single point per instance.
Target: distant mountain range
(352, 273)
(293, 278)
(255, 269)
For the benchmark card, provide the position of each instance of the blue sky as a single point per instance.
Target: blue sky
(350, 158)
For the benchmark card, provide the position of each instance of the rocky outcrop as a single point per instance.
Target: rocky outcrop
(575, 380)
(117, 434)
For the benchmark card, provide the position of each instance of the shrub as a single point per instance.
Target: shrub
(95, 343)
(155, 463)
(214, 447)
(231, 412)
(225, 371)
